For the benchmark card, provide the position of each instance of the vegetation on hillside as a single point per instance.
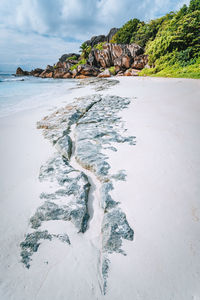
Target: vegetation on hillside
(172, 42)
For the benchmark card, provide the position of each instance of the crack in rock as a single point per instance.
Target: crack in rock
(96, 126)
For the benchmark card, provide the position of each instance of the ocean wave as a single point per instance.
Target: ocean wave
(11, 79)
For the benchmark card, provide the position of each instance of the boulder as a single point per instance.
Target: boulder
(120, 73)
(67, 75)
(135, 49)
(128, 72)
(102, 38)
(65, 56)
(49, 68)
(104, 74)
(36, 72)
(43, 74)
(140, 62)
(111, 33)
(46, 74)
(135, 72)
(21, 72)
(87, 70)
(49, 75)
(59, 65)
(59, 73)
(96, 40)
(74, 73)
(81, 77)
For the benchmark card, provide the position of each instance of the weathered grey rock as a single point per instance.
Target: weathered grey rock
(111, 33)
(105, 270)
(98, 84)
(96, 128)
(106, 200)
(102, 38)
(96, 40)
(64, 146)
(65, 56)
(66, 182)
(121, 175)
(115, 228)
(32, 242)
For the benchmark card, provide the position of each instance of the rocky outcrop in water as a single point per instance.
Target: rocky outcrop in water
(21, 72)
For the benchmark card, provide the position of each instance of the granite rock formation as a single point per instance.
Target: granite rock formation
(120, 57)
(102, 38)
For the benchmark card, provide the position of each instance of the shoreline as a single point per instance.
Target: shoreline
(159, 198)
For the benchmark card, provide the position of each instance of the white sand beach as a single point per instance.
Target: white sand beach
(160, 198)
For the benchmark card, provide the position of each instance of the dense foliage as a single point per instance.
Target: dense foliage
(172, 42)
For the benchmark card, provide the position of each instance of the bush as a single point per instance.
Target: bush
(81, 62)
(99, 46)
(112, 70)
(71, 58)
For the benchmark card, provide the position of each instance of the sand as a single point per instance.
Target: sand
(160, 198)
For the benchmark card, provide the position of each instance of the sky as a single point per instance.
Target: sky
(34, 33)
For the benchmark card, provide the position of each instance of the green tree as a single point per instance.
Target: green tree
(124, 35)
(194, 5)
(85, 50)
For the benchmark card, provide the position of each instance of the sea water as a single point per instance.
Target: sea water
(19, 93)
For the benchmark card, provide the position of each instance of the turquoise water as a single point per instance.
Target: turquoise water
(22, 93)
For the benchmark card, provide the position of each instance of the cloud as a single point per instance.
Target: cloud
(32, 50)
(47, 28)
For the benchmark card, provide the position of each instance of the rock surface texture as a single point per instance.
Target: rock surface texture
(120, 56)
(95, 125)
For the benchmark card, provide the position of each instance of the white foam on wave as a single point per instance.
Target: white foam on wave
(17, 95)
